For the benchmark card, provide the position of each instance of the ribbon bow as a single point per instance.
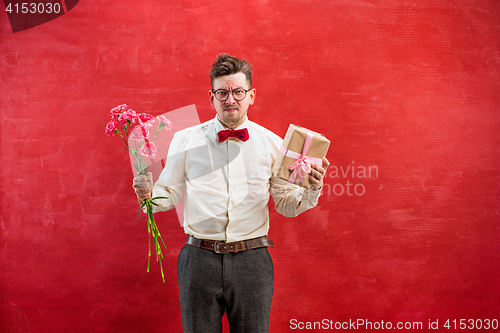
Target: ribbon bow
(241, 134)
(303, 162)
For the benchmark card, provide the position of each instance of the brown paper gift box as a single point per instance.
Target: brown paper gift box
(294, 141)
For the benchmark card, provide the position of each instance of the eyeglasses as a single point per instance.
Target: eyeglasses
(238, 94)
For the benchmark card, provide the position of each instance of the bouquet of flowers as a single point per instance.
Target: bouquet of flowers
(133, 128)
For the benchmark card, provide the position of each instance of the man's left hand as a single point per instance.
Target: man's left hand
(317, 174)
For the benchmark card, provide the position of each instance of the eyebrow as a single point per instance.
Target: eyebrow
(230, 89)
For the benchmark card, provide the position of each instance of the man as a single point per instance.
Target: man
(225, 168)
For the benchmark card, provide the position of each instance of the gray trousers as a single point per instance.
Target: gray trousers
(211, 283)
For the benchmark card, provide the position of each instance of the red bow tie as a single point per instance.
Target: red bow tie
(241, 134)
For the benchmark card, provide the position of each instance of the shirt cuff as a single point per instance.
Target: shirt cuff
(313, 194)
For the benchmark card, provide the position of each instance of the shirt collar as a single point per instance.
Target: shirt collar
(220, 127)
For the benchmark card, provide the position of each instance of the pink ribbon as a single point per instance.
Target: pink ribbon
(302, 165)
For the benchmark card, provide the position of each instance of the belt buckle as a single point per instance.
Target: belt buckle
(216, 246)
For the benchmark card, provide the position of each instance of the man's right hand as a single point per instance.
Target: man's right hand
(143, 186)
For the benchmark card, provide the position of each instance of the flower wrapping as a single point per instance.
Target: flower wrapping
(301, 148)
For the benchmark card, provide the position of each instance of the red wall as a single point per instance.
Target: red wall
(410, 89)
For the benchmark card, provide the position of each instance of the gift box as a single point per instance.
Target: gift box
(301, 148)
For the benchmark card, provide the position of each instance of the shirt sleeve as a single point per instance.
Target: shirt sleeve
(290, 200)
(171, 183)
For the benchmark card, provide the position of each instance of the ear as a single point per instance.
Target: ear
(211, 97)
(252, 95)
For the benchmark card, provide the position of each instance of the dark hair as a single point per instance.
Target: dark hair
(228, 65)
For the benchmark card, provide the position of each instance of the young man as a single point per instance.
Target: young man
(225, 168)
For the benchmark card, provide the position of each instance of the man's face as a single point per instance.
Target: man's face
(232, 112)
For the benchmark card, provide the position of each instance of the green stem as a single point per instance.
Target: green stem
(149, 245)
(153, 231)
(126, 143)
(157, 130)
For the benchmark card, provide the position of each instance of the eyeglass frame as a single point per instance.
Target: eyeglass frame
(232, 93)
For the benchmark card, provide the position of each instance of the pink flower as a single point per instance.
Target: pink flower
(111, 128)
(116, 111)
(139, 133)
(145, 119)
(164, 123)
(129, 116)
(145, 132)
(148, 150)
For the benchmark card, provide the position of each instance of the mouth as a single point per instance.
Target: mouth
(230, 109)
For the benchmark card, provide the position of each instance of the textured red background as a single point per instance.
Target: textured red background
(410, 87)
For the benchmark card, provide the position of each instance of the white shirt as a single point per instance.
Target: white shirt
(227, 184)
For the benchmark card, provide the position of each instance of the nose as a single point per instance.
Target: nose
(230, 98)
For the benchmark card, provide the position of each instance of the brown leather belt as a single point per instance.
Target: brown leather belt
(223, 247)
